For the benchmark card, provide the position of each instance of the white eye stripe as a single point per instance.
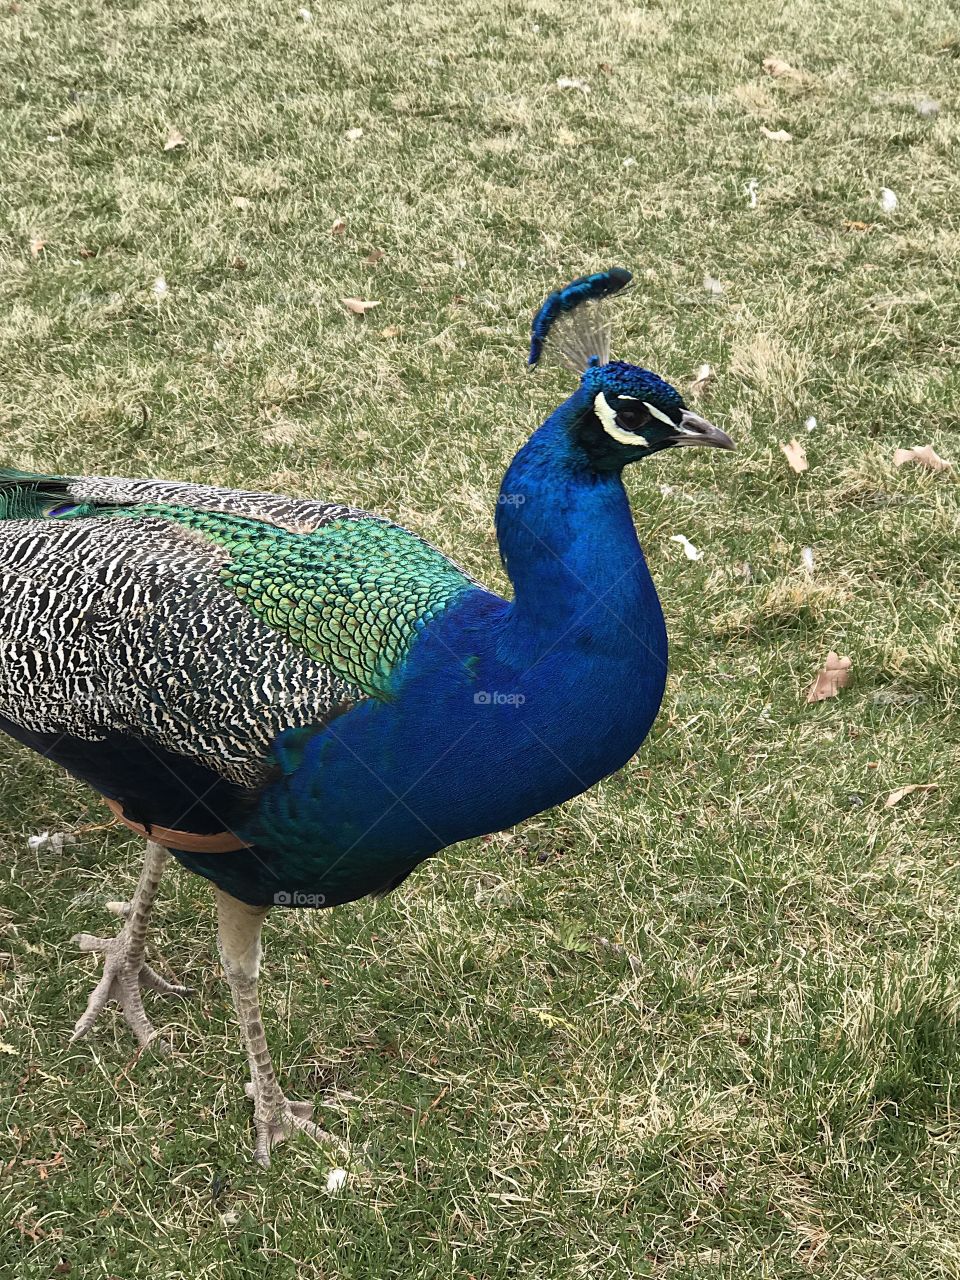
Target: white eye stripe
(657, 413)
(608, 418)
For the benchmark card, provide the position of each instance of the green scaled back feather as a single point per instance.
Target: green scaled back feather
(353, 594)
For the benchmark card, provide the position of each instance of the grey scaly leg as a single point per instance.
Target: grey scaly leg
(275, 1116)
(124, 969)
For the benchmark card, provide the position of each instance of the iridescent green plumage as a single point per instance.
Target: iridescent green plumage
(353, 594)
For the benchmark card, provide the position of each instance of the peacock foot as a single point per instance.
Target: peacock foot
(279, 1120)
(124, 974)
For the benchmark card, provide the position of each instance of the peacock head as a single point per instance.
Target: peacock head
(623, 412)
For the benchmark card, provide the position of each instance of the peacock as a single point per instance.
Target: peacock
(301, 701)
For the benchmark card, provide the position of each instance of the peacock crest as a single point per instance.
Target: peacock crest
(576, 322)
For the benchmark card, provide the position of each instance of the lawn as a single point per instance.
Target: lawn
(758, 1073)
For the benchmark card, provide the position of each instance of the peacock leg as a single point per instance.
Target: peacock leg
(124, 968)
(275, 1116)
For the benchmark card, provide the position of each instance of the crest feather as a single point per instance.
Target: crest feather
(575, 322)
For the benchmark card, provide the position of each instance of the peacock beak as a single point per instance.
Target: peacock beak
(696, 430)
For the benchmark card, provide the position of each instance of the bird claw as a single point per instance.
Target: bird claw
(122, 982)
(278, 1122)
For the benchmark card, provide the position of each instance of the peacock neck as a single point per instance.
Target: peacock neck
(568, 543)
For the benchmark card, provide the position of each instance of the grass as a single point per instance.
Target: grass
(770, 1088)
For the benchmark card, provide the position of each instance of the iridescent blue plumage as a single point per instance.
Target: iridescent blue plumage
(586, 289)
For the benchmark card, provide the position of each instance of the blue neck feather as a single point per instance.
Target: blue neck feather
(567, 537)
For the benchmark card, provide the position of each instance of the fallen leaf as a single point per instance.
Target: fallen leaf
(925, 455)
(174, 140)
(776, 135)
(339, 227)
(566, 82)
(391, 331)
(359, 306)
(796, 455)
(853, 224)
(353, 135)
(896, 796)
(701, 379)
(605, 67)
(241, 202)
(888, 200)
(781, 70)
(834, 677)
(374, 256)
(85, 252)
(689, 550)
(238, 264)
(36, 247)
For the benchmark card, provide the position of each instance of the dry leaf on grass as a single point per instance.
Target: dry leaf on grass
(175, 139)
(241, 202)
(391, 331)
(854, 224)
(796, 455)
(834, 677)
(776, 135)
(701, 380)
(896, 796)
(565, 82)
(925, 455)
(781, 70)
(36, 247)
(374, 256)
(339, 227)
(359, 306)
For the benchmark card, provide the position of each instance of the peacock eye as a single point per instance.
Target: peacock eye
(632, 417)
